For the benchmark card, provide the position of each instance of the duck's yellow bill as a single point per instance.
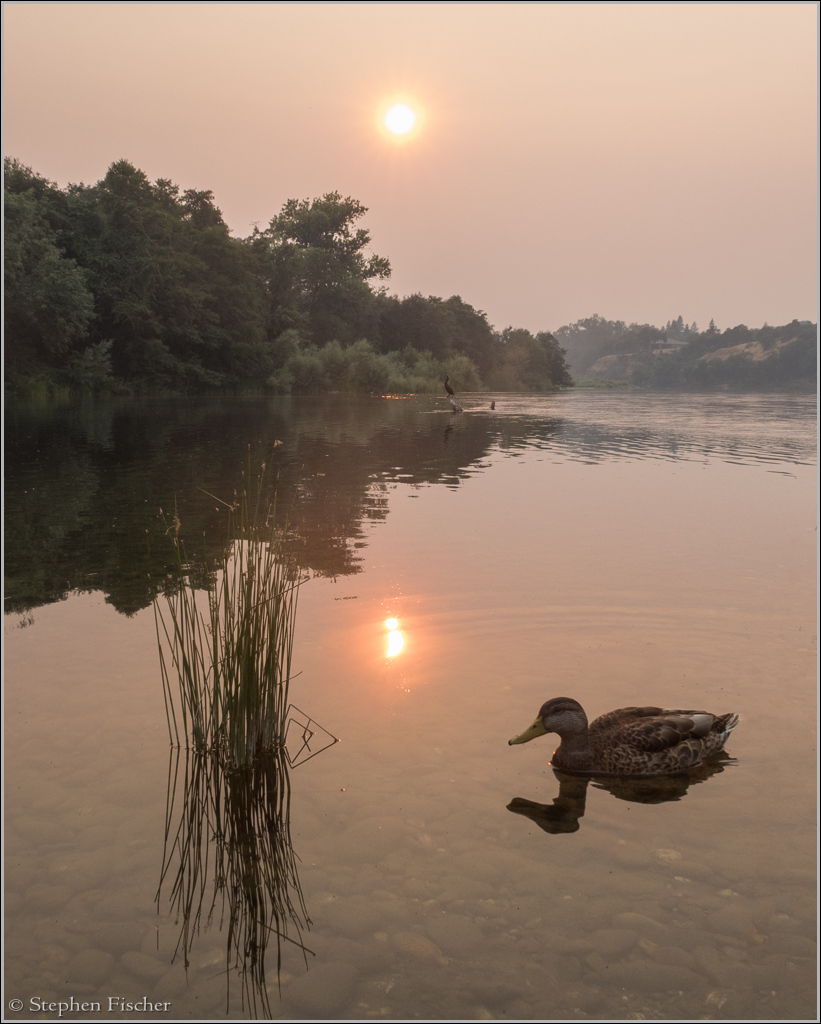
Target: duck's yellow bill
(537, 729)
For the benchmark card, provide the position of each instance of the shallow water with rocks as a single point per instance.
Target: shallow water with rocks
(616, 548)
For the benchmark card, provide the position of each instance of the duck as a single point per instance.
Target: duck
(629, 741)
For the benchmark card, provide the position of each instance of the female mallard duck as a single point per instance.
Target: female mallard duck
(630, 741)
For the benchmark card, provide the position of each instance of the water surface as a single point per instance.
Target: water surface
(620, 549)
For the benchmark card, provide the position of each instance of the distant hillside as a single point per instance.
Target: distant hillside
(681, 356)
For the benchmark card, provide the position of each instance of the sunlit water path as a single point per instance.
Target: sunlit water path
(617, 548)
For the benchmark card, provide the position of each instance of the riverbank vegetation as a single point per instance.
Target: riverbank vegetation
(131, 285)
(134, 286)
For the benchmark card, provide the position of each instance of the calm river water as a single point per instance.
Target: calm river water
(621, 549)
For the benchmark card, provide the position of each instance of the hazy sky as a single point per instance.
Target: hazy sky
(639, 161)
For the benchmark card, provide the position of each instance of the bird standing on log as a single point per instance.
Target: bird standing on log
(452, 396)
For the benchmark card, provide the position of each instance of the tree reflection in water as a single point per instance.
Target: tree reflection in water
(563, 814)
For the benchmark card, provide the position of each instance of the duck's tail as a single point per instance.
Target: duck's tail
(724, 725)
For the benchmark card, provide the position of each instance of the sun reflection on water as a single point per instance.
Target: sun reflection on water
(395, 639)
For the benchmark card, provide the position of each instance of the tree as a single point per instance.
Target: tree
(529, 363)
(179, 297)
(313, 261)
(588, 339)
(469, 332)
(554, 359)
(442, 327)
(48, 306)
(412, 322)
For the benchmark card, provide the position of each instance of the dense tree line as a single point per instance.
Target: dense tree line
(133, 285)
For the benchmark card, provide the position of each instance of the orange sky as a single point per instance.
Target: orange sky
(639, 161)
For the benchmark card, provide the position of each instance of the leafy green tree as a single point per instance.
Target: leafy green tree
(122, 231)
(640, 338)
(469, 332)
(48, 305)
(528, 363)
(554, 360)
(178, 296)
(443, 327)
(313, 261)
(233, 302)
(413, 322)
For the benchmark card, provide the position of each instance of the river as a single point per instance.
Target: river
(620, 548)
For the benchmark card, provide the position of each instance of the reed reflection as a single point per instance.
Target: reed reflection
(228, 852)
(563, 814)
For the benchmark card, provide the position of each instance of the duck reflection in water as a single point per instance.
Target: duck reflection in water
(563, 814)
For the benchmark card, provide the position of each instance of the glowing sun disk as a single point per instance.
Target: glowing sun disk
(400, 119)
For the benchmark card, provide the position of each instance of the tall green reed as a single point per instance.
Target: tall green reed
(225, 636)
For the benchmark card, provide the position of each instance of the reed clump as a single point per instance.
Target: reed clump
(225, 634)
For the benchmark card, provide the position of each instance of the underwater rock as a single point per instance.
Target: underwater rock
(89, 967)
(142, 965)
(642, 924)
(174, 982)
(673, 957)
(454, 933)
(416, 945)
(611, 941)
(324, 990)
(648, 976)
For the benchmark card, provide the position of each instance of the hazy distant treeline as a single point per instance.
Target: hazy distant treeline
(680, 356)
(131, 285)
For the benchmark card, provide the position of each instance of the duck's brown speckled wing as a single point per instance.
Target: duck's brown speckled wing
(614, 721)
(650, 739)
(666, 730)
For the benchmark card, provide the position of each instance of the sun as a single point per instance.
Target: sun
(400, 119)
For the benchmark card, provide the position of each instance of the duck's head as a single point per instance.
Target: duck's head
(561, 715)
